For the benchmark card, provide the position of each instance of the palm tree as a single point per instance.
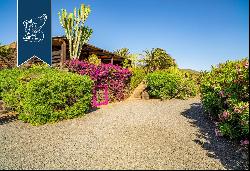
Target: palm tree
(130, 59)
(157, 58)
(123, 52)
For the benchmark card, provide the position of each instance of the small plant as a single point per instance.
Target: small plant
(4, 51)
(225, 97)
(93, 59)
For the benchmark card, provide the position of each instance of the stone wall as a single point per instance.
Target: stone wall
(10, 60)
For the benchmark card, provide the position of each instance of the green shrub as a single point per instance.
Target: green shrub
(225, 97)
(170, 84)
(138, 74)
(10, 81)
(42, 95)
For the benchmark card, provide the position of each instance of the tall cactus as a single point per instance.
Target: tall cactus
(76, 32)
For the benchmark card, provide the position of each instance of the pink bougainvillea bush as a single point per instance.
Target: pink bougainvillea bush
(114, 77)
(225, 97)
(100, 95)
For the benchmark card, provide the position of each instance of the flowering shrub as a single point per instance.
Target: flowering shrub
(98, 94)
(115, 77)
(169, 84)
(225, 97)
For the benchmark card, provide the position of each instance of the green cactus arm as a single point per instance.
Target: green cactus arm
(76, 32)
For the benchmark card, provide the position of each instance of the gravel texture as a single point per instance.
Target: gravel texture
(135, 134)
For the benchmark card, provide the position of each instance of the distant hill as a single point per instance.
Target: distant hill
(8, 55)
(190, 71)
(11, 45)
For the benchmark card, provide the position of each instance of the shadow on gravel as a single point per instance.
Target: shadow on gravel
(218, 147)
(7, 119)
(92, 110)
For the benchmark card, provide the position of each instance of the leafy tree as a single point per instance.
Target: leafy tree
(123, 52)
(157, 59)
(130, 59)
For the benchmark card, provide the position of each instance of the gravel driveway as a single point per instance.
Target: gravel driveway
(135, 134)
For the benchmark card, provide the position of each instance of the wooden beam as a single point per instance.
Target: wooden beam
(63, 52)
(112, 60)
(62, 43)
(56, 53)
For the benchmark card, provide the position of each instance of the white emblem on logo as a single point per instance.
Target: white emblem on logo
(33, 28)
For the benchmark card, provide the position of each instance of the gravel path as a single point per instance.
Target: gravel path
(135, 134)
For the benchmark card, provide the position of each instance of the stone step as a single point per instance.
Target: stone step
(137, 94)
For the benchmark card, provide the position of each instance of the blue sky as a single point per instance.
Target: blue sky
(197, 33)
